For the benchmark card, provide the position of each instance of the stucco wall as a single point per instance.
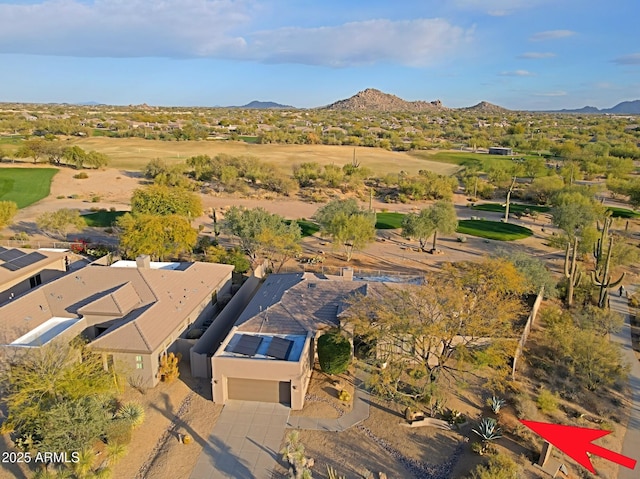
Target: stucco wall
(21, 284)
(209, 342)
(298, 372)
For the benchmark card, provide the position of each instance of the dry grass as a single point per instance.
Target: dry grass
(135, 153)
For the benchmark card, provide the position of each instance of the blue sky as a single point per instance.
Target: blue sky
(520, 54)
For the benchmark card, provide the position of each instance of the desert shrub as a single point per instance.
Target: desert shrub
(547, 401)
(81, 176)
(525, 407)
(499, 466)
(344, 396)
(95, 199)
(334, 352)
(118, 432)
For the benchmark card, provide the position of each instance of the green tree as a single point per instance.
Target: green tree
(34, 148)
(55, 398)
(575, 212)
(423, 331)
(8, 210)
(418, 226)
(334, 352)
(61, 222)
(74, 155)
(440, 217)
(350, 227)
(444, 219)
(155, 167)
(261, 231)
(73, 424)
(533, 270)
(163, 200)
(583, 354)
(218, 254)
(161, 237)
(95, 159)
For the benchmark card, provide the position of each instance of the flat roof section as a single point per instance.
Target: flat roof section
(294, 346)
(154, 264)
(46, 332)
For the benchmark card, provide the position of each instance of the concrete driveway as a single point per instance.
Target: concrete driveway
(245, 442)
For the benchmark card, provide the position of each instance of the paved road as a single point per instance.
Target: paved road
(631, 444)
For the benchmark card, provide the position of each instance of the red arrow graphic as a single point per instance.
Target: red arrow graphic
(576, 442)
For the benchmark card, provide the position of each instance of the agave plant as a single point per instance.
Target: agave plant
(496, 404)
(488, 430)
(132, 412)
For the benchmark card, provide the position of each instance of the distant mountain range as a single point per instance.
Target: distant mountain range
(375, 100)
(624, 108)
(264, 105)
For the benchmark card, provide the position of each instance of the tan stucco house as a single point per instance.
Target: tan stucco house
(24, 269)
(131, 312)
(269, 353)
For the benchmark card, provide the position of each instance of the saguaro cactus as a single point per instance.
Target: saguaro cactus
(598, 249)
(571, 269)
(602, 278)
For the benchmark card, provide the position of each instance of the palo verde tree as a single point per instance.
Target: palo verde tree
(161, 237)
(574, 212)
(349, 226)
(61, 222)
(163, 200)
(424, 332)
(159, 223)
(440, 217)
(8, 210)
(262, 232)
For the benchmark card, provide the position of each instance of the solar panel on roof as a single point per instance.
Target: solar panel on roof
(2, 249)
(27, 260)
(10, 266)
(279, 348)
(11, 254)
(247, 345)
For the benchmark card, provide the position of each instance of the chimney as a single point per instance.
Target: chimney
(143, 261)
(347, 274)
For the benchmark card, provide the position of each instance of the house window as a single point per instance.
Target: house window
(35, 281)
(138, 362)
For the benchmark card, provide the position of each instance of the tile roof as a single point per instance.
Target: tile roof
(297, 303)
(148, 303)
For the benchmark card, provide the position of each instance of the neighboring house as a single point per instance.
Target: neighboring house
(131, 312)
(21, 270)
(269, 353)
(496, 150)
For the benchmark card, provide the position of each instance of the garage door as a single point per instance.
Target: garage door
(259, 390)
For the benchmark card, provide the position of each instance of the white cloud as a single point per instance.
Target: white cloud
(552, 93)
(633, 59)
(216, 29)
(536, 55)
(121, 28)
(517, 73)
(411, 42)
(551, 35)
(498, 8)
